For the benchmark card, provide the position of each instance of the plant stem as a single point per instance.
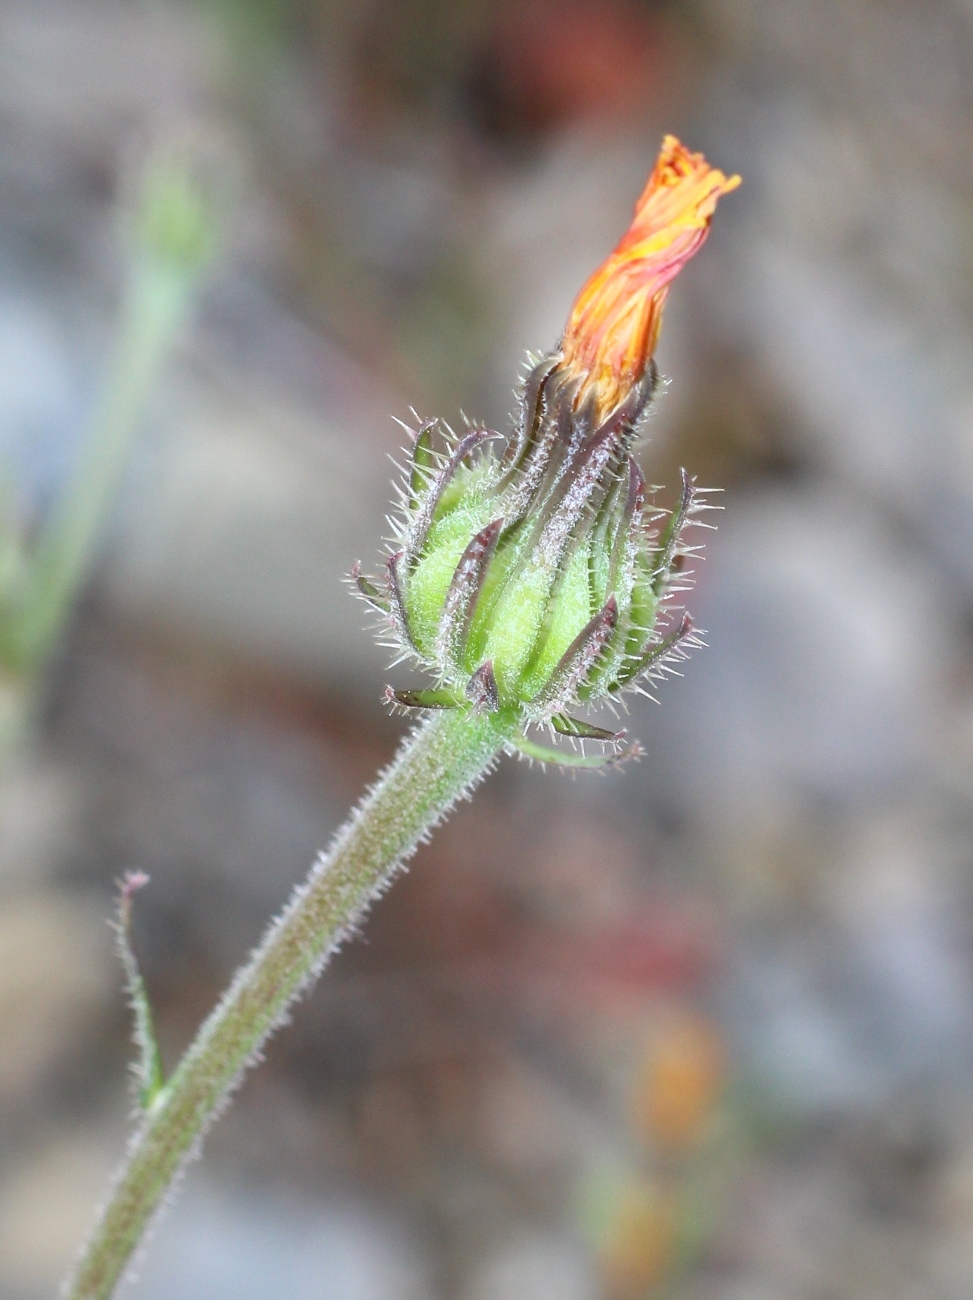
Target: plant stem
(438, 763)
(158, 299)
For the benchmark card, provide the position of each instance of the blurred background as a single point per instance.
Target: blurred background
(700, 1029)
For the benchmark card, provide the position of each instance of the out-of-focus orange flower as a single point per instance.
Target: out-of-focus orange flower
(614, 323)
(679, 1084)
(638, 1250)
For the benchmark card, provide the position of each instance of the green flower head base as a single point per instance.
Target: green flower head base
(528, 576)
(533, 579)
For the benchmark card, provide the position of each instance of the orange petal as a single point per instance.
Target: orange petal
(614, 324)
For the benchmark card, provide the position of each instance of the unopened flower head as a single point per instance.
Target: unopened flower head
(532, 577)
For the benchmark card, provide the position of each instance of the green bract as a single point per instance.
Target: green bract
(529, 577)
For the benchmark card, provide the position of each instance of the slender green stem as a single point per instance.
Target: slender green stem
(36, 604)
(158, 298)
(436, 765)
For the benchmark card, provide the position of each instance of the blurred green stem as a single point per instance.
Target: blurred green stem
(174, 234)
(437, 764)
(158, 298)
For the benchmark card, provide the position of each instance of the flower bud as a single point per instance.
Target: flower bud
(177, 219)
(530, 577)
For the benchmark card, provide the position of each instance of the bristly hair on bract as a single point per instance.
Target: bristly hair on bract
(532, 574)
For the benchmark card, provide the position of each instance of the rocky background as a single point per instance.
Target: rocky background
(702, 1029)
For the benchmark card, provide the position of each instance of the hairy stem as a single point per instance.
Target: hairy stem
(436, 764)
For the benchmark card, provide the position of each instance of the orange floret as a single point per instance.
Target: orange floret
(614, 324)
